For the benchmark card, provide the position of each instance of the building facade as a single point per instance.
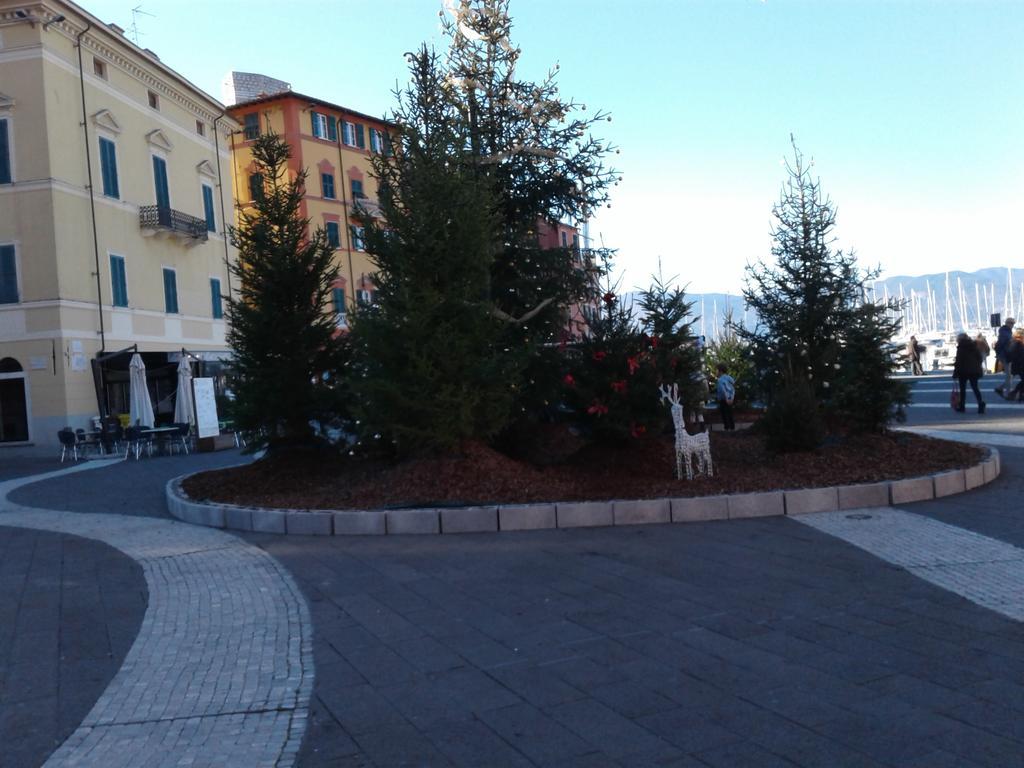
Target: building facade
(114, 196)
(334, 145)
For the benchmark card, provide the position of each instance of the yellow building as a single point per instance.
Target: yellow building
(114, 194)
(334, 145)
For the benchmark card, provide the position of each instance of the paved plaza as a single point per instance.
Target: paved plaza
(891, 638)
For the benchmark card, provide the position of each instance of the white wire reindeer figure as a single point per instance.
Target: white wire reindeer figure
(696, 447)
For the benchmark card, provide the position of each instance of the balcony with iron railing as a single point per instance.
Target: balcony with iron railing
(158, 220)
(367, 204)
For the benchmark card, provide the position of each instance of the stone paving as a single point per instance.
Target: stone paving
(986, 571)
(221, 670)
(759, 642)
(70, 609)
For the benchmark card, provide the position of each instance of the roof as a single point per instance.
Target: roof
(310, 99)
(100, 27)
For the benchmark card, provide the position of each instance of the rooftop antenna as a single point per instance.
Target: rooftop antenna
(134, 28)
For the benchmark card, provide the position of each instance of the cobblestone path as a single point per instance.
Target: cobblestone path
(986, 571)
(222, 668)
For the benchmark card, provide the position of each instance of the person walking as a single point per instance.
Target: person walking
(1015, 364)
(914, 351)
(983, 348)
(725, 392)
(1002, 349)
(967, 368)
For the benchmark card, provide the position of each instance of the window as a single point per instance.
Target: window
(255, 186)
(565, 240)
(99, 68)
(154, 100)
(5, 153)
(357, 189)
(252, 126)
(200, 127)
(324, 126)
(327, 183)
(170, 291)
(364, 298)
(576, 242)
(118, 281)
(108, 168)
(217, 308)
(339, 300)
(163, 195)
(352, 134)
(333, 234)
(8, 276)
(380, 142)
(211, 221)
(358, 238)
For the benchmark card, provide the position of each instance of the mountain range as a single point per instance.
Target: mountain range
(926, 293)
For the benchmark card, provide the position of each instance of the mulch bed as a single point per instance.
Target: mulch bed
(643, 469)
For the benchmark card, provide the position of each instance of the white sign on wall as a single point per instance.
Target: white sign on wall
(207, 423)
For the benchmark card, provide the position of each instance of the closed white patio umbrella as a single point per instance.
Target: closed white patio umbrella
(184, 412)
(141, 405)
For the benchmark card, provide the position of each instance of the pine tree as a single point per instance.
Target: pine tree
(281, 330)
(810, 315)
(432, 369)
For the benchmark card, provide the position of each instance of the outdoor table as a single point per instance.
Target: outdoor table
(156, 432)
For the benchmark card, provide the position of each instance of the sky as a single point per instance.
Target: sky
(912, 110)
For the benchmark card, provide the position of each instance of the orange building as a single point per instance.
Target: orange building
(334, 145)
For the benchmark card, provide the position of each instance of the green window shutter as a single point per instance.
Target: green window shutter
(256, 187)
(314, 123)
(215, 299)
(327, 183)
(170, 292)
(357, 189)
(5, 154)
(211, 220)
(332, 128)
(339, 300)
(108, 166)
(8, 276)
(118, 282)
(333, 234)
(163, 194)
(360, 136)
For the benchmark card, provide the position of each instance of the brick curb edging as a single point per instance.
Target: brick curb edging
(577, 514)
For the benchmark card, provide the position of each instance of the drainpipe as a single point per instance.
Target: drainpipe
(220, 189)
(92, 196)
(348, 227)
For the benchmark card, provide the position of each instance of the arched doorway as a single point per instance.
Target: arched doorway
(13, 402)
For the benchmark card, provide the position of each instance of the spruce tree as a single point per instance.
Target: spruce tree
(810, 315)
(544, 165)
(615, 373)
(280, 326)
(432, 369)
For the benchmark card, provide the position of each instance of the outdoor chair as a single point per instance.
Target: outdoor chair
(179, 438)
(134, 438)
(86, 442)
(112, 435)
(68, 443)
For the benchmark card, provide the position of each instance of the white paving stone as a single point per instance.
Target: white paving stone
(986, 571)
(221, 671)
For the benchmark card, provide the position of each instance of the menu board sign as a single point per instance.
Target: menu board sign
(207, 424)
